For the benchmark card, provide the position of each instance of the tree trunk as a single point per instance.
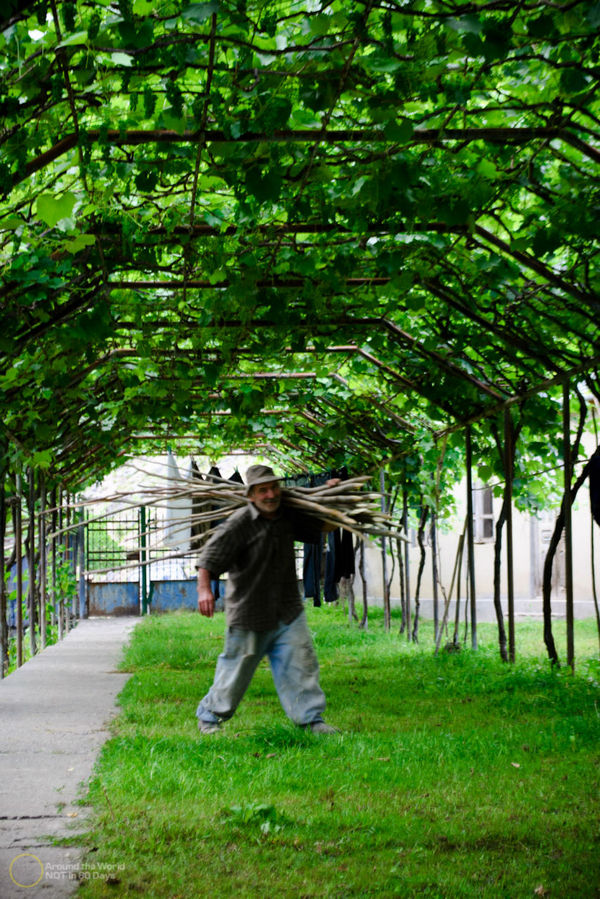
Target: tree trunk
(448, 595)
(502, 642)
(516, 430)
(549, 560)
(421, 538)
(434, 575)
(594, 591)
(459, 561)
(364, 623)
(400, 550)
(348, 589)
(387, 612)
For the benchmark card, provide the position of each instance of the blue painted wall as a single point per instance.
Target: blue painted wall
(113, 599)
(169, 595)
(165, 596)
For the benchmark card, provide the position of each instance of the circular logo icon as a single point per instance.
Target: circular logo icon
(30, 875)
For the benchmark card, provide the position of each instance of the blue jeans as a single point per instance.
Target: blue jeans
(294, 667)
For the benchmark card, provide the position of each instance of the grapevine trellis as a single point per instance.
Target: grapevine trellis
(358, 234)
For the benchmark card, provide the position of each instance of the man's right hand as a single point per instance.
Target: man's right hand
(206, 599)
(206, 602)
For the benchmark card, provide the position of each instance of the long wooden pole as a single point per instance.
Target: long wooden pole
(387, 614)
(43, 561)
(508, 492)
(406, 562)
(81, 586)
(31, 593)
(58, 616)
(4, 660)
(470, 536)
(62, 557)
(435, 576)
(68, 559)
(17, 519)
(568, 525)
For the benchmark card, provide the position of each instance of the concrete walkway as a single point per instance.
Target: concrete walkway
(53, 713)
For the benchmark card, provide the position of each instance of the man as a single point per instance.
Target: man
(264, 611)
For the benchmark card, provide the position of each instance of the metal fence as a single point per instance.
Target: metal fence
(128, 564)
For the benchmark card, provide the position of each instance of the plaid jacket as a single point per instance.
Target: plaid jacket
(258, 553)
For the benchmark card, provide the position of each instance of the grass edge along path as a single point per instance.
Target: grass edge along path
(454, 776)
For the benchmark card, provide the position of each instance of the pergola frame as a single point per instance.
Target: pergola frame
(345, 229)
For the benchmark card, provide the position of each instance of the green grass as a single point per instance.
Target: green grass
(454, 776)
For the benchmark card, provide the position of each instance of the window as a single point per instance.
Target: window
(483, 514)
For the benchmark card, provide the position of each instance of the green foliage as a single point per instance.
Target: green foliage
(442, 163)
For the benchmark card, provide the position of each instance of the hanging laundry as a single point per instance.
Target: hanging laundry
(594, 476)
(311, 572)
(339, 558)
(345, 564)
(178, 510)
(330, 590)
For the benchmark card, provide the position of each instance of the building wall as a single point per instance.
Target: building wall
(531, 536)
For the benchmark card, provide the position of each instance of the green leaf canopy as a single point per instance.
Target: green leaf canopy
(335, 230)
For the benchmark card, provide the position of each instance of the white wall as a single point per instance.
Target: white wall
(531, 535)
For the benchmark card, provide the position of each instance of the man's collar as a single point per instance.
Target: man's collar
(254, 513)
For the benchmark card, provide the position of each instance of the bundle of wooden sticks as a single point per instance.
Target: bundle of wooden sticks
(193, 507)
(347, 504)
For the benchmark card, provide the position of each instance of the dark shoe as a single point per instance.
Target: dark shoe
(207, 727)
(319, 727)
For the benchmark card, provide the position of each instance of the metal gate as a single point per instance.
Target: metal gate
(129, 570)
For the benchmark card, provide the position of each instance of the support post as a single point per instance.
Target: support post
(508, 492)
(42, 567)
(143, 560)
(387, 614)
(4, 659)
(58, 559)
(73, 550)
(58, 617)
(31, 597)
(470, 537)
(17, 518)
(406, 561)
(568, 525)
(65, 521)
(435, 575)
(81, 554)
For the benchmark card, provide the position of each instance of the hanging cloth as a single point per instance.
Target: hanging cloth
(311, 572)
(594, 475)
(345, 565)
(330, 590)
(178, 510)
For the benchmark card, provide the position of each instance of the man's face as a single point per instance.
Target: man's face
(266, 498)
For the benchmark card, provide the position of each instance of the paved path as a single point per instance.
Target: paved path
(53, 716)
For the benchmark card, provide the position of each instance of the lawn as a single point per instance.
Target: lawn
(454, 776)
